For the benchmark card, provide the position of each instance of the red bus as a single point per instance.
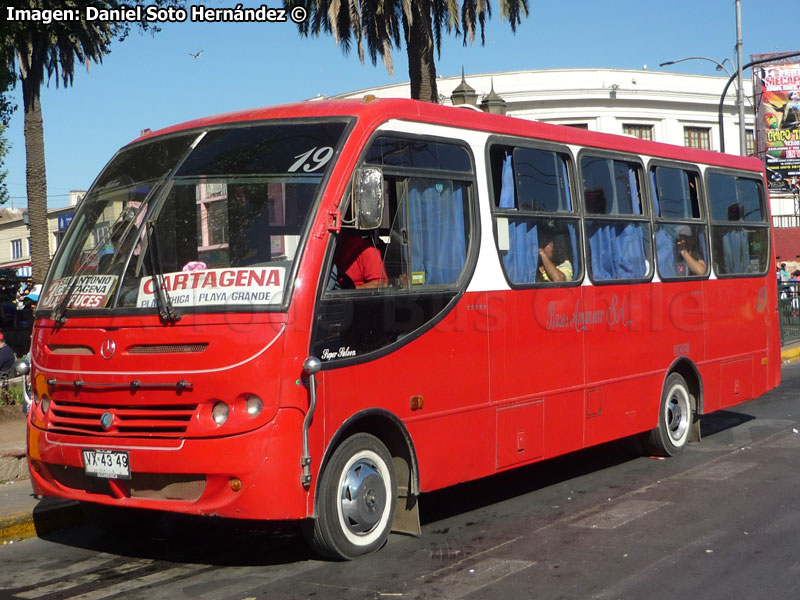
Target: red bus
(320, 311)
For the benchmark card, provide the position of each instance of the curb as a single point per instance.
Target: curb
(48, 517)
(790, 354)
(13, 466)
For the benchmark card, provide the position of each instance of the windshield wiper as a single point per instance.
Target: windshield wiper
(164, 303)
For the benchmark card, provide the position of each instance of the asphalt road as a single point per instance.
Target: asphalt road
(721, 520)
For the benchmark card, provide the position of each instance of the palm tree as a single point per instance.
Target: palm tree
(7, 82)
(387, 23)
(47, 50)
(43, 51)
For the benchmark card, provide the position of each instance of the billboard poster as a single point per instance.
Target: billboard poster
(776, 86)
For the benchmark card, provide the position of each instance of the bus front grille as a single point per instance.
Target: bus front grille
(151, 486)
(161, 420)
(168, 348)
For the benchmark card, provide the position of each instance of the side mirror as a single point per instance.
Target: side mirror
(367, 199)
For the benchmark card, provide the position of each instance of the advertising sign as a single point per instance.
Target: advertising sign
(90, 291)
(206, 287)
(776, 86)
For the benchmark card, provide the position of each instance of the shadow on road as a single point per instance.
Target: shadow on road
(229, 542)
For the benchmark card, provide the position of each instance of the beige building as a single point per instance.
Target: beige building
(15, 243)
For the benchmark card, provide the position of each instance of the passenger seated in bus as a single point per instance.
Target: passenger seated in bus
(553, 254)
(687, 250)
(357, 262)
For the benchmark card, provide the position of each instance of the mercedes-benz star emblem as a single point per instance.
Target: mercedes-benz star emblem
(107, 349)
(107, 420)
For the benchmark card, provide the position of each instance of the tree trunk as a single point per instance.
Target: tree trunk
(36, 179)
(421, 64)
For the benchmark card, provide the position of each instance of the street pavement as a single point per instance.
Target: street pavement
(23, 514)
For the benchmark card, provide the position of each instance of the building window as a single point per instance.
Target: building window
(578, 125)
(697, 137)
(643, 132)
(16, 248)
(749, 143)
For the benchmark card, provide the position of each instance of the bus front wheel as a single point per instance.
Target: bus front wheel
(674, 418)
(357, 499)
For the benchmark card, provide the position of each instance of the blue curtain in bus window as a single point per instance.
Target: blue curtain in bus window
(656, 193)
(735, 251)
(703, 248)
(601, 244)
(617, 251)
(564, 184)
(632, 260)
(438, 239)
(573, 240)
(665, 253)
(507, 184)
(636, 205)
(519, 261)
(522, 258)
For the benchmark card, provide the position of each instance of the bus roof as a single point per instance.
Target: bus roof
(373, 112)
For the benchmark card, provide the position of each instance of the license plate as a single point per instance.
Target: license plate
(109, 464)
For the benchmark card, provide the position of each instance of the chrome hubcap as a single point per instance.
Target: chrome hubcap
(678, 415)
(363, 497)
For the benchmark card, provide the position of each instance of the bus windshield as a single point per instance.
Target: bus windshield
(216, 216)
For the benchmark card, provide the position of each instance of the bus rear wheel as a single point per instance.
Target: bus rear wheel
(675, 417)
(357, 499)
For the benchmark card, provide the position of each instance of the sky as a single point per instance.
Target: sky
(154, 81)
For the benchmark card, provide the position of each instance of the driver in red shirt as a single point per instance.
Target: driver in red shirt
(358, 262)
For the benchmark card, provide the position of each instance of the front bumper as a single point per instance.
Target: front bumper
(255, 475)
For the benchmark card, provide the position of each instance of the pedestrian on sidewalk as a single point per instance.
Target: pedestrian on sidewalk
(7, 358)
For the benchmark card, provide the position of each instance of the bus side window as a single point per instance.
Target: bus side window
(739, 228)
(535, 224)
(414, 261)
(617, 228)
(426, 244)
(680, 231)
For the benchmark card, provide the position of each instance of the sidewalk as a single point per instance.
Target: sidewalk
(790, 353)
(23, 515)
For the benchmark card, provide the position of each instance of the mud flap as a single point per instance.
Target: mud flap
(694, 433)
(407, 518)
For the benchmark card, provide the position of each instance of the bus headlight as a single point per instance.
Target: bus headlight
(220, 413)
(45, 404)
(254, 405)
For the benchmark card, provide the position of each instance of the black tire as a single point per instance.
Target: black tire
(675, 416)
(357, 499)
